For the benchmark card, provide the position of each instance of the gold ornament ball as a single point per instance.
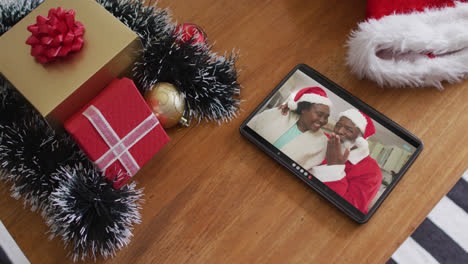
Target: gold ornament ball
(167, 103)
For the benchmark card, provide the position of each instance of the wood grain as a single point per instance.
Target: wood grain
(212, 197)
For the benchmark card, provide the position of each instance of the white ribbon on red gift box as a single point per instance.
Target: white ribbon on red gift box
(119, 148)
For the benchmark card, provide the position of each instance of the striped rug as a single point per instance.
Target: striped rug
(443, 236)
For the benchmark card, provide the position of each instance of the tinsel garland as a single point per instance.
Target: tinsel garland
(30, 173)
(207, 81)
(147, 21)
(13, 106)
(13, 11)
(42, 169)
(50, 172)
(102, 228)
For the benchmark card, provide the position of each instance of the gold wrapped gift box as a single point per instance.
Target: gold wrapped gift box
(61, 88)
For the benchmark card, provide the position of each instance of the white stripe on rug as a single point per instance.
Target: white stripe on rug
(410, 252)
(449, 217)
(465, 176)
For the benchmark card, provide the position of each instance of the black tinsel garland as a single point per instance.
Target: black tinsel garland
(50, 172)
(13, 106)
(208, 82)
(77, 201)
(92, 216)
(31, 153)
(13, 11)
(147, 21)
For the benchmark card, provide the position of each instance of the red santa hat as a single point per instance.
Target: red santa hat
(411, 42)
(361, 120)
(313, 95)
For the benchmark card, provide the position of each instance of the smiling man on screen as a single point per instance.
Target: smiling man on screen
(349, 170)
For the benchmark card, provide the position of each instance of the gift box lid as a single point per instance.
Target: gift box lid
(124, 109)
(94, 66)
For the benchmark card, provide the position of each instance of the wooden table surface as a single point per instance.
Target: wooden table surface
(213, 197)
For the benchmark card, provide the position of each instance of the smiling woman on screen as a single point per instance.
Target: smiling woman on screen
(297, 133)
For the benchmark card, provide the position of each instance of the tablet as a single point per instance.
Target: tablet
(335, 143)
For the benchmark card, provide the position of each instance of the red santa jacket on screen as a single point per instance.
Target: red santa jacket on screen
(358, 181)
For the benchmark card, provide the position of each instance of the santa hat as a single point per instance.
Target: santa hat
(361, 120)
(313, 95)
(411, 42)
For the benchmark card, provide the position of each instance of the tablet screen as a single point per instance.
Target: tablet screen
(328, 137)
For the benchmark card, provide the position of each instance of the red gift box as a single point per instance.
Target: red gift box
(118, 131)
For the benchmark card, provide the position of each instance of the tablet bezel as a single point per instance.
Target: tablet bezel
(314, 183)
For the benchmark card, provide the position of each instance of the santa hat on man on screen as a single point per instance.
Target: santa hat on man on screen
(357, 179)
(366, 127)
(361, 120)
(411, 43)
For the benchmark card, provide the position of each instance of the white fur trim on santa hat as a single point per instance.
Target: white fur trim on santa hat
(442, 32)
(311, 98)
(330, 173)
(356, 117)
(361, 151)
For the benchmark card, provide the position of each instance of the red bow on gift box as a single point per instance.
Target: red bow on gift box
(56, 35)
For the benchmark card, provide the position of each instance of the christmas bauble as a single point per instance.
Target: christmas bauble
(167, 104)
(188, 30)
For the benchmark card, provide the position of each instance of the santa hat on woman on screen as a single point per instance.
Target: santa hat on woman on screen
(313, 95)
(411, 43)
